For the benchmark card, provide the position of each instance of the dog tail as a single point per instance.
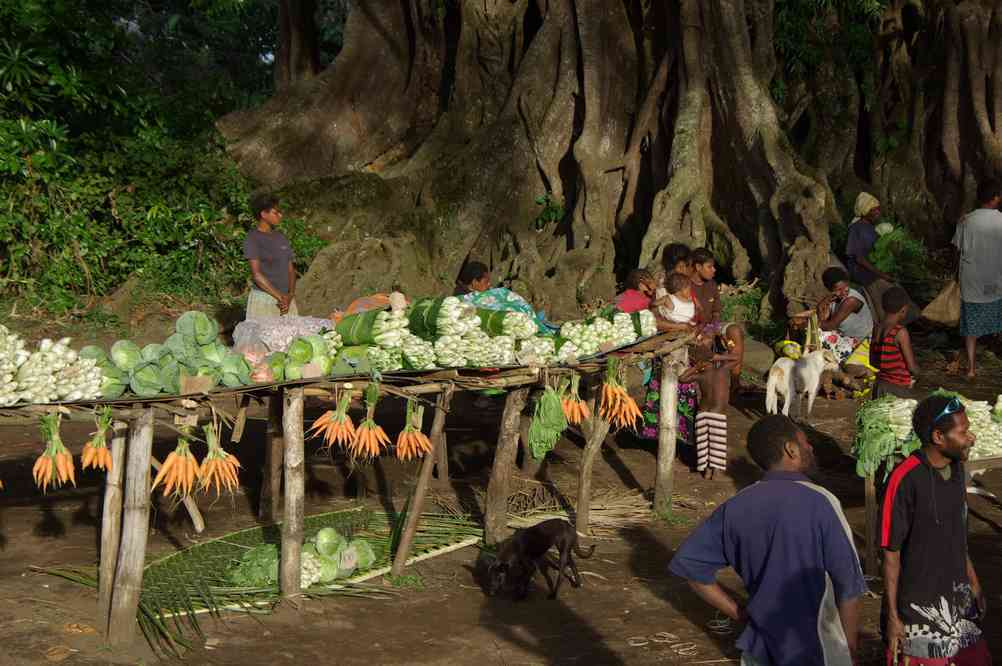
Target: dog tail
(771, 391)
(584, 554)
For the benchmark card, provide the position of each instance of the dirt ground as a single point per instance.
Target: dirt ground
(619, 616)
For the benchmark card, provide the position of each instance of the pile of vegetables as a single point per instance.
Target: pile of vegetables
(899, 253)
(325, 558)
(548, 422)
(884, 435)
(617, 407)
(52, 372)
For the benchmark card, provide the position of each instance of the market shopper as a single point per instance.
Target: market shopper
(979, 239)
(273, 291)
(789, 541)
(933, 601)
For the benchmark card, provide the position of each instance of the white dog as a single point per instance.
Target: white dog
(791, 379)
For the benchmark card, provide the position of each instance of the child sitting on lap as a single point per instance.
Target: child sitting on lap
(638, 292)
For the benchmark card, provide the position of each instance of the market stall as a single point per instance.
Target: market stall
(884, 437)
(130, 422)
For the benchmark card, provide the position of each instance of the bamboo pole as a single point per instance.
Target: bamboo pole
(135, 529)
(417, 503)
(111, 525)
(667, 438)
(496, 511)
(439, 439)
(530, 466)
(596, 429)
(295, 486)
(271, 482)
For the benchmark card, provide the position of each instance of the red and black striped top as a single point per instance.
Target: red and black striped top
(890, 361)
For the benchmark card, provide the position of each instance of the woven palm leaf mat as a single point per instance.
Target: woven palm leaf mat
(179, 587)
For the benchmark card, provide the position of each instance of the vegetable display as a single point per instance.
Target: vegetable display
(899, 253)
(548, 423)
(617, 407)
(219, 468)
(55, 466)
(95, 451)
(335, 426)
(369, 437)
(575, 409)
(411, 442)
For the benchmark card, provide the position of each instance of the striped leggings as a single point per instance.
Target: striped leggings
(711, 441)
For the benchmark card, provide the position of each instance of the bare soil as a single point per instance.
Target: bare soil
(442, 617)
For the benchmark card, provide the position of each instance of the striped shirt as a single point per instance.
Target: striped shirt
(890, 361)
(789, 541)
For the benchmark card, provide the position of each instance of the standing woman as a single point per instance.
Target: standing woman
(979, 239)
(269, 253)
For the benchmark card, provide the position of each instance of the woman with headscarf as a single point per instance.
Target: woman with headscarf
(862, 237)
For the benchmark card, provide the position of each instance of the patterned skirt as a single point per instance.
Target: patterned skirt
(687, 402)
(979, 319)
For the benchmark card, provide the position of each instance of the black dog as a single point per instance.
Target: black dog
(526, 551)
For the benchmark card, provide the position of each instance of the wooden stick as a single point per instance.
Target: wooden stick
(496, 511)
(295, 487)
(274, 445)
(417, 503)
(197, 522)
(869, 538)
(238, 426)
(439, 440)
(596, 429)
(135, 529)
(111, 525)
(667, 438)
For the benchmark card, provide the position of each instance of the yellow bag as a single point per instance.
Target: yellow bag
(945, 308)
(861, 356)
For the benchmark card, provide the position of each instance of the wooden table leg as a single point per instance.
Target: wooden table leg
(595, 429)
(496, 511)
(135, 530)
(667, 438)
(530, 465)
(111, 525)
(869, 537)
(417, 503)
(295, 489)
(438, 433)
(274, 446)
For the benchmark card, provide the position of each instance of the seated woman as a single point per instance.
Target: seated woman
(844, 316)
(473, 286)
(710, 309)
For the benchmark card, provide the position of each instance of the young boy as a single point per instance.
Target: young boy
(678, 305)
(638, 292)
(891, 348)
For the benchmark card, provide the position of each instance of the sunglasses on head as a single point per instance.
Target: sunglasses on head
(951, 407)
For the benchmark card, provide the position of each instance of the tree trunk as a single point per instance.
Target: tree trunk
(642, 123)
(298, 55)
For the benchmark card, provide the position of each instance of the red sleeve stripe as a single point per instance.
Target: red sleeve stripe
(892, 489)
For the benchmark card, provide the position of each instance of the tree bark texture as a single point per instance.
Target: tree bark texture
(298, 56)
(643, 123)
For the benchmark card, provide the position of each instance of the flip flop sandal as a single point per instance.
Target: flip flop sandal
(637, 641)
(664, 637)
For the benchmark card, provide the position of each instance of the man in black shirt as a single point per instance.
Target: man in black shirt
(933, 601)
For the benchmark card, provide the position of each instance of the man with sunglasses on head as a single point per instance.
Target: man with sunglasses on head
(933, 601)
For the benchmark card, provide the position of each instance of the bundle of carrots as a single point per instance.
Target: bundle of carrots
(618, 407)
(575, 409)
(411, 442)
(179, 471)
(55, 466)
(219, 467)
(95, 451)
(335, 425)
(369, 437)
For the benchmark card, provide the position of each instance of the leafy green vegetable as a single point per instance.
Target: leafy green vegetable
(198, 326)
(883, 435)
(96, 353)
(214, 352)
(329, 541)
(257, 568)
(145, 380)
(366, 556)
(902, 255)
(548, 422)
(184, 348)
(300, 351)
(152, 352)
(126, 355)
(114, 383)
(277, 363)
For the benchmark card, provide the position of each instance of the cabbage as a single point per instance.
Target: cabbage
(277, 363)
(325, 363)
(366, 556)
(329, 541)
(96, 353)
(170, 377)
(884, 228)
(208, 371)
(293, 371)
(152, 352)
(311, 548)
(214, 352)
(198, 326)
(319, 344)
(114, 382)
(258, 567)
(145, 380)
(235, 370)
(329, 568)
(348, 562)
(300, 351)
(184, 348)
(126, 355)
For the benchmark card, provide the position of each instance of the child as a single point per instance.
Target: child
(891, 348)
(638, 292)
(678, 305)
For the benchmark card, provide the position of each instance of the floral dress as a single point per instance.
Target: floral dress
(501, 298)
(687, 403)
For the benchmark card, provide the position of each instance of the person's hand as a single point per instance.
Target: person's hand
(283, 304)
(981, 602)
(895, 634)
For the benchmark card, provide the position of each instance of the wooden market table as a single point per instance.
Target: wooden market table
(126, 504)
(870, 541)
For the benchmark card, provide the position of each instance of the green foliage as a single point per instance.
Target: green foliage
(552, 212)
(109, 163)
(900, 254)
